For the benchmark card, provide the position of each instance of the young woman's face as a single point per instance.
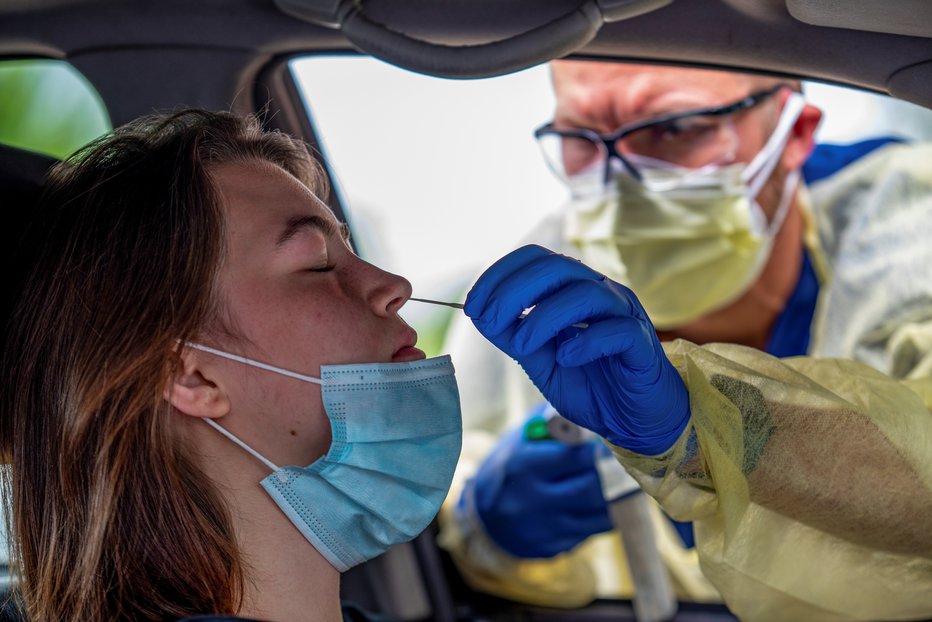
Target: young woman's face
(294, 291)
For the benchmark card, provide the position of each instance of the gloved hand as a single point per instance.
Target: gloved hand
(611, 377)
(538, 498)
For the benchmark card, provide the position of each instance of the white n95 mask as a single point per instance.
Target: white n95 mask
(397, 434)
(686, 241)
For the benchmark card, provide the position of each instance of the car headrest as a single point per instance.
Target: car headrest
(22, 175)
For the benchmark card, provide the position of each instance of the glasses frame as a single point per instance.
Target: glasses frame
(608, 140)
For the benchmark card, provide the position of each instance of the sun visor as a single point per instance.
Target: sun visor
(539, 43)
(899, 17)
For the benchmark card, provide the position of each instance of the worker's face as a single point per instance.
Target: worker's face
(605, 96)
(296, 296)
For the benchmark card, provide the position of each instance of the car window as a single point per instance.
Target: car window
(436, 176)
(48, 107)
(440, 177)
(853, 115)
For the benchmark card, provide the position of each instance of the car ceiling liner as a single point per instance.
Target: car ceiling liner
(902, 17)
(558, 37)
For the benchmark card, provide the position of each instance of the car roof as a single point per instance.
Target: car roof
(217, 53)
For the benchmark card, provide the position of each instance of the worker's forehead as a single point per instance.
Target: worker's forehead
(645, 82)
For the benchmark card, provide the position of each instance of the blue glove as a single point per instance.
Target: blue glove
(611, 377)
(537, 499)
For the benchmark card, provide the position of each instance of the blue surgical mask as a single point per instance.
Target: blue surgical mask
(397, 433)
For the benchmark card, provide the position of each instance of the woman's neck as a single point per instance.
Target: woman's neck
(287, 579)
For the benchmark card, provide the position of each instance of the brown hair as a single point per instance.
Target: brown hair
(111, 516)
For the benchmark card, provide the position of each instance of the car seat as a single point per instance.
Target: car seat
(22, 174)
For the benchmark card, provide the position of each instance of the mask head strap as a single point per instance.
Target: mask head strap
(759, 169)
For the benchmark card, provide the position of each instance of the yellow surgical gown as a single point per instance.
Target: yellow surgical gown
(809, 479)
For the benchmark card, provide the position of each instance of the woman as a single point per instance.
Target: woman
(183, 271)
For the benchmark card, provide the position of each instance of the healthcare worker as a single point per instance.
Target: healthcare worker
(798, 473)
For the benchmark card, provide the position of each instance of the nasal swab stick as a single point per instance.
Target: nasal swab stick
(457, 305)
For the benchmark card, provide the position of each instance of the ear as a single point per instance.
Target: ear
(192, 392)
(802, 138)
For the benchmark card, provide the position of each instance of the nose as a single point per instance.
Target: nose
(388, 292)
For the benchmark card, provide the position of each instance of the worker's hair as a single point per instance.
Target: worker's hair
(111, 516)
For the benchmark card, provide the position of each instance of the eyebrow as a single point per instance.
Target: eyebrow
(298, 224)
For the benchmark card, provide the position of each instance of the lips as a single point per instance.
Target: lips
(408, 353)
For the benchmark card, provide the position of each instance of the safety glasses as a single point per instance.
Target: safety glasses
(690, 139)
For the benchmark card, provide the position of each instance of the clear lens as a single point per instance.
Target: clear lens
(671, 148)
(578, 161)
(690, 142)
(571, 156)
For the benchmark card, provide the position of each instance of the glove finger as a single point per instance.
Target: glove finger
(488, 282)
(585, 300)
(538, 517)
(501, 340)
(541, 530)
(537, 546)
(596, 523)
(630, 339)
(538, 365)
(524, 288)
(572, 462)
(578, 495)
(579, 528)
(550, 461)
(552, 522)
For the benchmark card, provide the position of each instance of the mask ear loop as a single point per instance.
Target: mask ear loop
(252, 363)
(274, 467)
(785, 200)
(246, 361)
(758, 171)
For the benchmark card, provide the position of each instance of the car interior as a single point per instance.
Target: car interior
(242, 55)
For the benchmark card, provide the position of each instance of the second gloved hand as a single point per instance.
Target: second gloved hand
(538, 498)
(611, 377)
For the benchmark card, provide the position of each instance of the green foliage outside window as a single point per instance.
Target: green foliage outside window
(48, 107)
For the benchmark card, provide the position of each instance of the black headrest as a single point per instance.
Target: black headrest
(22, 174)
